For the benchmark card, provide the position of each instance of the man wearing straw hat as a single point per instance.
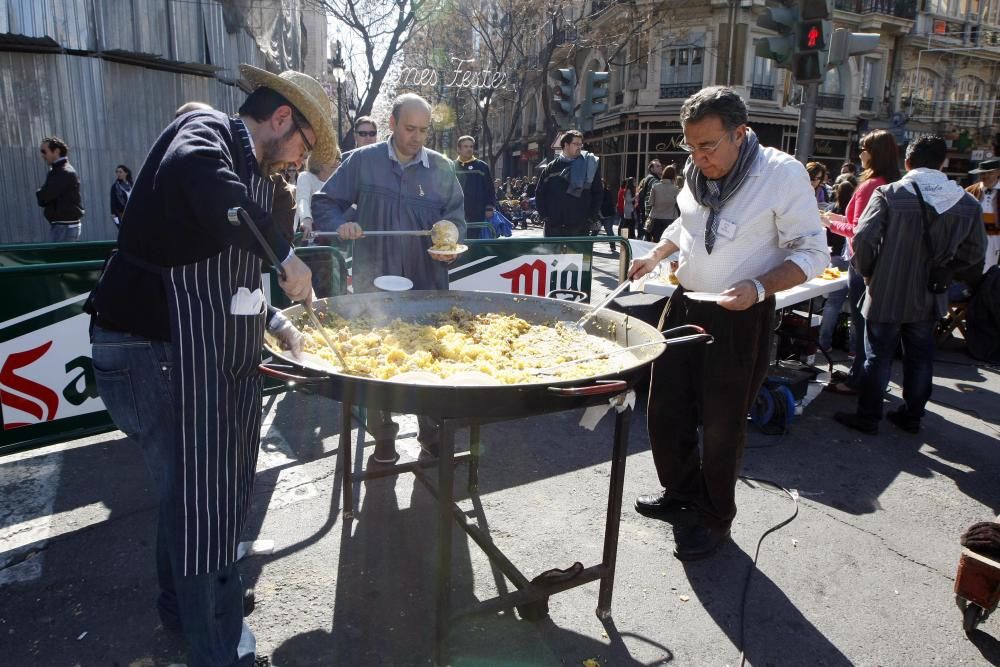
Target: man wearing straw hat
(985, 192)
(178, 321)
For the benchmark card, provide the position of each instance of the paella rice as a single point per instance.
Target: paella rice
(505, 347)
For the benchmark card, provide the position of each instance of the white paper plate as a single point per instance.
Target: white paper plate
(459, 249)
(704, 296)
(393, 283)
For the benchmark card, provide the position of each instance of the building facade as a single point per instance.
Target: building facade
(907, 85)
(107, 75)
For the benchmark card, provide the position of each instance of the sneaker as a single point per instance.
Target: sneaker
(857, 422)
(664, 507)
(903, 420)
(385, 451)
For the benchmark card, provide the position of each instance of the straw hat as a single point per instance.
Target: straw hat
(308, 97)
(986, 166)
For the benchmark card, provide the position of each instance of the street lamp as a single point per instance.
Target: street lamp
(336, 66)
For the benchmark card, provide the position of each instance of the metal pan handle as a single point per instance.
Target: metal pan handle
(596, 389)
(685, 328)
(271, 371)
(695, 338)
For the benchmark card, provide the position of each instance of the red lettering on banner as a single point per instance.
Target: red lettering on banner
(46, 398)
(527, 278)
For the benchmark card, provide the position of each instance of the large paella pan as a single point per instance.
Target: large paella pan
(441, 397)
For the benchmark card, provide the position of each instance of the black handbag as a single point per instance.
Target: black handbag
(940, 277)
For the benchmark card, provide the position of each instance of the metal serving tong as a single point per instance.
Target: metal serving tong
(236, 215)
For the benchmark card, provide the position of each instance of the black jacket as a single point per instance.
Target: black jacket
(60, 195)
(194, 173)
(561, 211)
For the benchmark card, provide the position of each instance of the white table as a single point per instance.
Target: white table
(783, 299)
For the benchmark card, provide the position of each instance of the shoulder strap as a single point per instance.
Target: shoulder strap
(926, 218)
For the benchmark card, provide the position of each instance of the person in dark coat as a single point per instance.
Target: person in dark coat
(477, 186)
(178, 320)
(568, 194)
(120, 190)
(59, 196)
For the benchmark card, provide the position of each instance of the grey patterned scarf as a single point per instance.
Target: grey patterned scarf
(714, 194)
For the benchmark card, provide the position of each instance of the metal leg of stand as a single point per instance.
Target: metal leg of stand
(347, 422)
(615, 492)
(474, 451)
(446, 469)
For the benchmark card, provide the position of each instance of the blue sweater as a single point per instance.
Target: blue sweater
(392, 196)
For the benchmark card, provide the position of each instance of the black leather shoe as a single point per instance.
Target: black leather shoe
(664, 507)
(857, 422)
(249, 601)
(902, 419)
(698, 541)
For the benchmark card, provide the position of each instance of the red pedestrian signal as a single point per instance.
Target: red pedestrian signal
(813, 37)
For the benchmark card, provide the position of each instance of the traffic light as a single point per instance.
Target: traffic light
(845, 44)
(562, 96)
(813, 32)
(780, 49)
(596, 92)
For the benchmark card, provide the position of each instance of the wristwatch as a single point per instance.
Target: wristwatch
(761, 292)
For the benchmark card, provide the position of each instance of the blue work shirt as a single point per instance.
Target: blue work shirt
(392, 196)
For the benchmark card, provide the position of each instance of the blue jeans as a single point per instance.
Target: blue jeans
(856, 290)
(133, 379)
(64, 233)
(881, 339)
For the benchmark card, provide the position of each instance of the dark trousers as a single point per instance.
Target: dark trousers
(881, 339)
(712, 385)
(856, 290)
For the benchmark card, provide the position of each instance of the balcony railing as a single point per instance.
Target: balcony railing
(866, 104)
(674, 90)
(905, 9)
(914, 106)
(761, 92)
(964, 111)
(619, 97)
(835, 102)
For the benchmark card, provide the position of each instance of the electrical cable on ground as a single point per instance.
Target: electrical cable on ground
(794, 496)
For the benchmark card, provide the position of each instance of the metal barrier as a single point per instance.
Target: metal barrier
(47, 388)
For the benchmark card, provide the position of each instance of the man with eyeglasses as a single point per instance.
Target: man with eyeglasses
(569, 191)
(365, 131)
(748, 228)
(178, 321)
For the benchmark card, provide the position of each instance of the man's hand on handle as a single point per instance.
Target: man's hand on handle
(298, 280)
(350, 231)
(642, 265)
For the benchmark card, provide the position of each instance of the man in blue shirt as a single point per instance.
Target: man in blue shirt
(396, 184)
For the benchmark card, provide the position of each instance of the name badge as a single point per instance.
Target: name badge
(727, 229)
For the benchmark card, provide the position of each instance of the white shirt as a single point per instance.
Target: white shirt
(773, 217)
(988, 201)
(306, 185)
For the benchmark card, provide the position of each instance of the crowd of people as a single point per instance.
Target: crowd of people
(744, 220)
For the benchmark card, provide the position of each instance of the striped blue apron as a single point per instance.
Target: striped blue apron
(218, 393)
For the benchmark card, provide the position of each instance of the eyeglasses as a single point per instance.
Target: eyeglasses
(578, 144)
(305, 141)
(366, 133)
(704, 150)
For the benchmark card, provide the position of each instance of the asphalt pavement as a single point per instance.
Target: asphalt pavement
(863, 575)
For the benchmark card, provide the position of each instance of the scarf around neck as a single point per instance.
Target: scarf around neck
(715, 193)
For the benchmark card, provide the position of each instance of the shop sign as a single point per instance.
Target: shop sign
(830, 148)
